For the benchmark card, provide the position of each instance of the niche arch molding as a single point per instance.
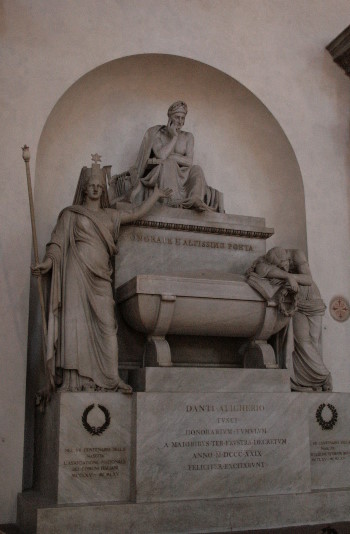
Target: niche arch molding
(242, 148)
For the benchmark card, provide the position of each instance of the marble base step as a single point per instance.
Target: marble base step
(207, 380)
(195, 516)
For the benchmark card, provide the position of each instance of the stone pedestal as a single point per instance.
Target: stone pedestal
(84, 448)
(215, 445)
(329, 423)
(209, 380)
(184, 517)
(198, 450)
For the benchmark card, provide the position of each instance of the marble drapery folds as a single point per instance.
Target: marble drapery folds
(82, 342)
(187, 182)
(309, 368)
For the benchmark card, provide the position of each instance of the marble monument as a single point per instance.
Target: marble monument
(209, 427)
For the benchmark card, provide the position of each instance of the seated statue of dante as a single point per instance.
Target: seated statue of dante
(165, 159)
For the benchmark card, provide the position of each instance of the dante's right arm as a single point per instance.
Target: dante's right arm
(162, 151)
(185, 160)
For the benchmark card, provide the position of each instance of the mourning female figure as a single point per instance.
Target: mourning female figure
(82, 352)
(291, 267)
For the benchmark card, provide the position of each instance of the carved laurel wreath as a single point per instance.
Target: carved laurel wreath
(326, 425)
(287, 302)
(96, 430)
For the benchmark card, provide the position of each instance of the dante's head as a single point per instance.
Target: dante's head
(278, 256)
(177, 113)
(178, 107)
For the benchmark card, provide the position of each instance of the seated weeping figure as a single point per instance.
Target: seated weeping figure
(165, 159)
(82, 351)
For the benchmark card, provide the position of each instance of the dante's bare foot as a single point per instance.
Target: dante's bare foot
(124, 388)
(195, 203)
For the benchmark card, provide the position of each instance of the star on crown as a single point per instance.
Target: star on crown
(96, 158)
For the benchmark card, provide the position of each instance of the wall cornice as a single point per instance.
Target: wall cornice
(339, 49)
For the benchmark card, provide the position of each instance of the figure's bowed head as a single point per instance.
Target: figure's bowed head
(278, 256)
(284, 265)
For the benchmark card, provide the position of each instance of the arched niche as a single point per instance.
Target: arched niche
(241, 147)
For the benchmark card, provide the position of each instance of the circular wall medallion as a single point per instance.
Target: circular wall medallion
(339, 308)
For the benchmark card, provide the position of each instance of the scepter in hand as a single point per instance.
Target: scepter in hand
(44, 394)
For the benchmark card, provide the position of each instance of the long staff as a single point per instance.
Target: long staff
(50, 385)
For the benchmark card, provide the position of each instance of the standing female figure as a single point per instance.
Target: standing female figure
(82, 352)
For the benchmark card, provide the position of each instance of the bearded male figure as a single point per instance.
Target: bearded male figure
(166, 159)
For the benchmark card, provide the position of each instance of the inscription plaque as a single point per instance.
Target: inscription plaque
(330, 440)
(94, 447)
(179, 240)
(220, 445)
(160, 250)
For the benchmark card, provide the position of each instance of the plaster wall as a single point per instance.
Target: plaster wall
(275, 49)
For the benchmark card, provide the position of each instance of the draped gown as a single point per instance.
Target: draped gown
(308, 366)
(82, 329)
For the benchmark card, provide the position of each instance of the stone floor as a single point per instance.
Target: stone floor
(336, 528)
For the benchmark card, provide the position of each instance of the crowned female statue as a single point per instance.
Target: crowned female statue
(82, 352)
(165, 159)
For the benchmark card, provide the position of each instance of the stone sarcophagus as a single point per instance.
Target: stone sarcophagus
(201, 304)
(153, 252)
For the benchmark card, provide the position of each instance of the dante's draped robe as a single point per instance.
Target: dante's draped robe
(82, 327)
(186, 181)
